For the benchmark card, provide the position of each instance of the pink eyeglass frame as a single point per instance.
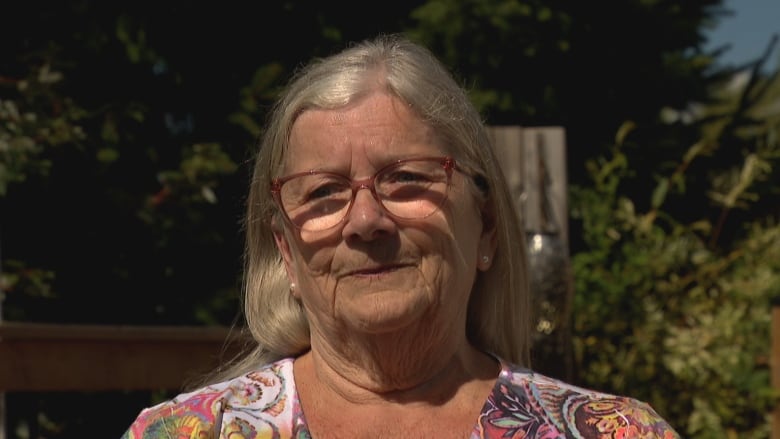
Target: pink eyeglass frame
(447, 162)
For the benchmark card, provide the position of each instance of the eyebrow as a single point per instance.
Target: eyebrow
(386, 162)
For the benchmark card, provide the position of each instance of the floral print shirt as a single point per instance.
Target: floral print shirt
(523, 404)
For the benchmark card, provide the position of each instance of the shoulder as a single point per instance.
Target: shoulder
(573, 409)
(201, 413)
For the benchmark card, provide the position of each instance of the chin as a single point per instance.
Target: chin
(387, 311)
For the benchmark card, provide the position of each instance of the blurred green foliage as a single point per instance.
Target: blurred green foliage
(667, 310)
(33, 120)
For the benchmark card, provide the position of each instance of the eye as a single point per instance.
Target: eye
(313, 188)
(325, 190)
(407, 176)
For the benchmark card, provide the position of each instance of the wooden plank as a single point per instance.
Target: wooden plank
(509, 148)
(51, 357)
(534, 164)
(546, 178)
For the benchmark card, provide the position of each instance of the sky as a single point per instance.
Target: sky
(748, 30)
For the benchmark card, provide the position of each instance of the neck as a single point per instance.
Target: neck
(443, 398)
(394, 367)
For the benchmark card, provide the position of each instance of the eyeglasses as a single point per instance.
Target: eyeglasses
(406, 189)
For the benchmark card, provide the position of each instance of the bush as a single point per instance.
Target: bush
(673, 306)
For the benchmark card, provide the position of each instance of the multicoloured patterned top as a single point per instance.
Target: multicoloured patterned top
(523, 404)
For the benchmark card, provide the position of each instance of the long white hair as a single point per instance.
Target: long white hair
(499, 314)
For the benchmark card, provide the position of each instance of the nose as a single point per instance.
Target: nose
(367, 219)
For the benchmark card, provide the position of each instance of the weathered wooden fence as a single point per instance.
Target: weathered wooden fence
(52, 357)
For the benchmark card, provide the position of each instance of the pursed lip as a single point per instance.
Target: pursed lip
(375, 270)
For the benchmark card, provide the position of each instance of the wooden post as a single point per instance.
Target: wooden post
(534, 164)
(520, 151)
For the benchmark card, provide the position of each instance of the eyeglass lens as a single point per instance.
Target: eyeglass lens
(411, 189)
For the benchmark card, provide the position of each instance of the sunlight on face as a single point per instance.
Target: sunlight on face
(373, 273)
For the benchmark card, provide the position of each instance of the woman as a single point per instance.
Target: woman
(385, 275)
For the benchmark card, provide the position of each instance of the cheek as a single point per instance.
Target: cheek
(460, 246)
(448, 248)
(448, 270)
(318, 262)
(316, 286)
(465, 225)
(313, 265)
(314, 256)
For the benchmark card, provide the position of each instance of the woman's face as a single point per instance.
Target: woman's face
(374, 273)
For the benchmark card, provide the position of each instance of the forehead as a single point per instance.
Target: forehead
(378, 127)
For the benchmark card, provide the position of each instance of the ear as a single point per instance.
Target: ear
(283, 245)
(488, 240)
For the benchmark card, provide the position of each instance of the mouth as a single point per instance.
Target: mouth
(376, 271)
